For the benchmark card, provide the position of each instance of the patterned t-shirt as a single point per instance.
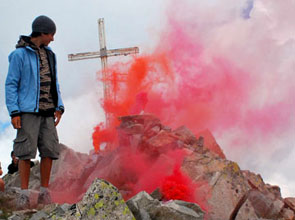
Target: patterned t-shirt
(45, 100)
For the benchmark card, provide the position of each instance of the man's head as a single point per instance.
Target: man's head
(43, 24)
(13, 157)
(44, 28)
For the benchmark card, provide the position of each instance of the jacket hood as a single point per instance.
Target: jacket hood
(25, 41)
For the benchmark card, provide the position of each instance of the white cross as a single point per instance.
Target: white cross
(103, 54)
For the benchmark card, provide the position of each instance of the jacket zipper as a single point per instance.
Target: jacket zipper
(36, 108)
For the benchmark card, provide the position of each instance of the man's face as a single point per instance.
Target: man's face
(47, 38)
(14, 159)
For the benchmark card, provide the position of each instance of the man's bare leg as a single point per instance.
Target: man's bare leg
(2, 185)
(45, 169)
(24, 172)
(23, 201)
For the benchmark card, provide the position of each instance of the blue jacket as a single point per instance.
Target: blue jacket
(22, 87)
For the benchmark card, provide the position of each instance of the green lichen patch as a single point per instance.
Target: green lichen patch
(91, 212)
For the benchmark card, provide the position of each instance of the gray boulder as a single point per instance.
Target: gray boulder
(103, 201)
(145, 207)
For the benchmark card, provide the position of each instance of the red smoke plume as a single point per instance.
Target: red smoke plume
(184, 84)
(185, 81)
(178, 186)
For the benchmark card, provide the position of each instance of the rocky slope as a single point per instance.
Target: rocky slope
(150, 156)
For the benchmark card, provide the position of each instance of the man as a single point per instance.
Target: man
(13, 167)
(34, 103)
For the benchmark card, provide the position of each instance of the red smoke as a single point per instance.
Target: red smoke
(178, 186)
(184, 83)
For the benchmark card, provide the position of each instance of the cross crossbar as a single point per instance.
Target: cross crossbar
(109, 53)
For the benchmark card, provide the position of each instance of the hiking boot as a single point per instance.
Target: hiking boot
(23, 202)
(44, 198)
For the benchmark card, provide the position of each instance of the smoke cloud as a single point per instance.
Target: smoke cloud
(222, 67)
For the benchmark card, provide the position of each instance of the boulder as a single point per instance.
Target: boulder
(290, 203)
(264, 206)
(185, 135)
(172, 210)
(103, 201)
(161, 143)
(8, 198)
(287, 214)
(145, 207)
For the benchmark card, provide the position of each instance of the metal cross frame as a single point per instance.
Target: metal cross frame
(103, 54)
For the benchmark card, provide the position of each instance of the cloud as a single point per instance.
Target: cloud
(3, 126)
(6, 143)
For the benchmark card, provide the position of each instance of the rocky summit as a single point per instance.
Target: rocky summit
(153, 172)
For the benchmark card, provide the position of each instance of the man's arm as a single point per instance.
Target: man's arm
(11, 87)
(60, 106)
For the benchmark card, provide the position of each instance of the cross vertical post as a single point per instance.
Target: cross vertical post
(103, 54)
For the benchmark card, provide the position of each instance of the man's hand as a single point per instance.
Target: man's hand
(57, 117)
(16, 122)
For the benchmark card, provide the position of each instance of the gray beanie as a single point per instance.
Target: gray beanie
(43, 24)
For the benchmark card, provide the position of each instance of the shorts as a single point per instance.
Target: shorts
(36, 132)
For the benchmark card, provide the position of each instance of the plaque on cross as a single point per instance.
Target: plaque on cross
(103, 54)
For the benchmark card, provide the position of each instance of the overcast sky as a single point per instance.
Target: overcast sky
(137, 23)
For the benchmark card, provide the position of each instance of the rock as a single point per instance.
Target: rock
(171, 210)
(290, 203)
(12, 193)
(63, 209)
(273, 191)
(264, 206)
(103, 201)
(185, 135)
(39, 216)
(134, 124)
(256, 181)
(156, 194)
(141, 201)
(189, 205)
(23, 214)
(210, 143)
(287, 214)
(15, 217)
(68, 175)
(143, 215)
(143, 206)
(228, 189)
(161, 143)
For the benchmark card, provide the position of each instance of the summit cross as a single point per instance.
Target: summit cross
(103, 54)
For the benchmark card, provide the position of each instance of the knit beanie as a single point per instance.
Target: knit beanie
(43, 24)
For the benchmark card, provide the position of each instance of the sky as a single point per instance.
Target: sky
(255, 37)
